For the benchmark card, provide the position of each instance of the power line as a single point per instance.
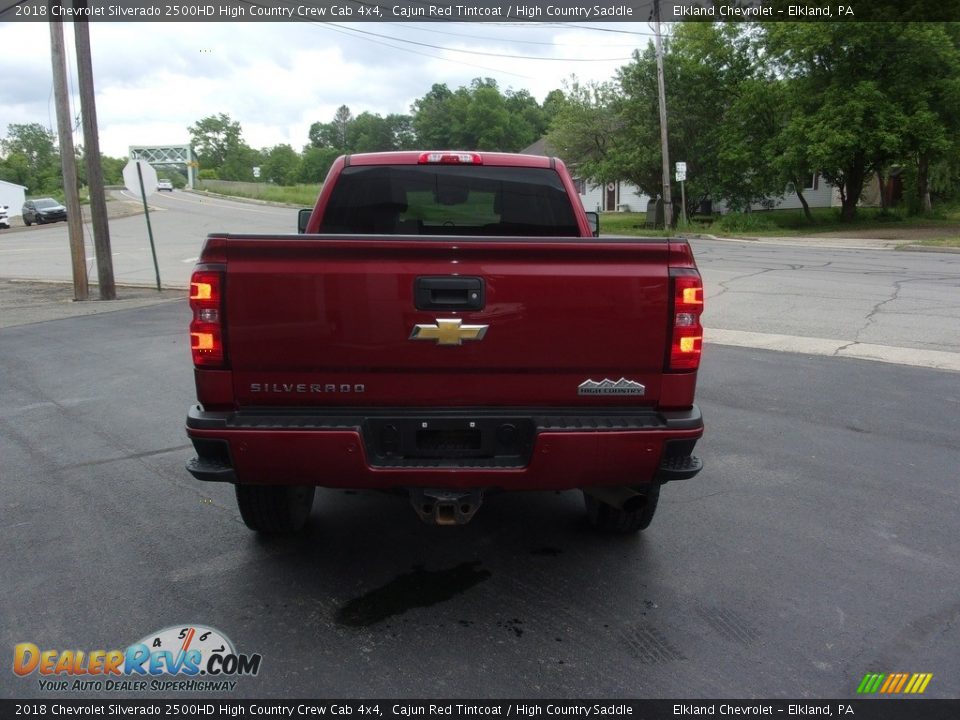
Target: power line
(346, 31)
(457, 50)
(513, 40)
(482, 53)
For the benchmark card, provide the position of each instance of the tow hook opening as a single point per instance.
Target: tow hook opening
(445, 507)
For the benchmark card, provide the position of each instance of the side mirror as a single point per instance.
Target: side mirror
(593, 219)
(303, 217)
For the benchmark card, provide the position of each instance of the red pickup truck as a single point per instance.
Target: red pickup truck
(445, 324)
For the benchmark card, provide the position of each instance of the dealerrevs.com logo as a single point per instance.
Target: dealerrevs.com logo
(177, 658)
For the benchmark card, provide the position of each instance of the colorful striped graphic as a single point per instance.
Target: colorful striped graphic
(894, 683)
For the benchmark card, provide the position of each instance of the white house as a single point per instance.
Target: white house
(612, 197)
(13, 196)
(626, 197)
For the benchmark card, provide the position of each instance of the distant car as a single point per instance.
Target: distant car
(4, 217)
(43, 210)
(164, 185)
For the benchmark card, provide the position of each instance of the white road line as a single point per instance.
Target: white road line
(190, 260)
(936, 359)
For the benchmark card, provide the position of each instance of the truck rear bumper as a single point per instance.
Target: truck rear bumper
(511, 449)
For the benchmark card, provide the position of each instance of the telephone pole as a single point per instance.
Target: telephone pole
(68, 162)
(91, 144)
(664, 148)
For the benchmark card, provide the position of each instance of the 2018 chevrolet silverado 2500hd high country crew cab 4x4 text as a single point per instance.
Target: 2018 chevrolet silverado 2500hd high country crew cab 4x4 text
(445, 324)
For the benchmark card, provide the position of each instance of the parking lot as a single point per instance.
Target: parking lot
(819, 543)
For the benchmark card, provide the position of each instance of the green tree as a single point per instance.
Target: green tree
(926, 89)
(583, 128)
(369, 133)
(214, 138)
(334, 134)
(315, 162)
(478, 117)
(433, 118)
(281, 165)
(112, 169)
(868, 96)
(239, 162)
(30, 158)
(402, 131)
(708, 71)
(528, 120)
(484, 118)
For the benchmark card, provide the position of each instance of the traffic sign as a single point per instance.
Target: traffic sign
(132, 183)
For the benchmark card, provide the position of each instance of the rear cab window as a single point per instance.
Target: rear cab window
(449, 200)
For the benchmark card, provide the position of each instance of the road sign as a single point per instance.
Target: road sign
(132, 182)
(256, 172)
(140, 178)
(681, 171)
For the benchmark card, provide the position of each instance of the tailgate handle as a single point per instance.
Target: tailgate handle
(449, 293)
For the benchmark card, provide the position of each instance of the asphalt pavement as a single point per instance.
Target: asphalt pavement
(820, 542)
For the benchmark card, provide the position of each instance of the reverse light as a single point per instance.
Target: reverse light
(206, 328)
(686, 342)
(450, 158)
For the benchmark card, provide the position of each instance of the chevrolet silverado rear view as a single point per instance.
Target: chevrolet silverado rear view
(446, 324)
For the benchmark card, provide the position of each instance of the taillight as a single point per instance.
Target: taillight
(686, 342)
(206, 328)
(450, 158)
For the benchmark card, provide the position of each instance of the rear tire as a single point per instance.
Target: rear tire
(609, 519)
(28, 223)
(275, 509)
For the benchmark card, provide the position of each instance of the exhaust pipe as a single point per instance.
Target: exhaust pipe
(622, 498)
(445, 507)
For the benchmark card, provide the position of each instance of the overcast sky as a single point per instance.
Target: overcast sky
(155, 79)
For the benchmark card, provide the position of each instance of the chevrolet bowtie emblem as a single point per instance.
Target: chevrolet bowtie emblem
(448, 332)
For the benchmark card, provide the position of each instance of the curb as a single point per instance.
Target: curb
(927, 248)
(815, 241)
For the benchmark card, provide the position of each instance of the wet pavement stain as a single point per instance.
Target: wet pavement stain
(419, 588)
(546, 551)
(513, 625)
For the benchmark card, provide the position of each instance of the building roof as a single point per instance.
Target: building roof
(540, 147)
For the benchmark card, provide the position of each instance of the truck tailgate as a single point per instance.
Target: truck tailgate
(328, 320)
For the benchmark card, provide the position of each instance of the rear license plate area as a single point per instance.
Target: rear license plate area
(449, 441)
(389, 440)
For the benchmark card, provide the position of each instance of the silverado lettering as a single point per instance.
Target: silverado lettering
(445, 323)
(304, 388)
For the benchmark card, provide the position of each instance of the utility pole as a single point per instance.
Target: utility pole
(664, 149)
(91, 144)
(68, 162)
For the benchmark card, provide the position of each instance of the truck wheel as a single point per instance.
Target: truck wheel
(609, 519)
(275, 509)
